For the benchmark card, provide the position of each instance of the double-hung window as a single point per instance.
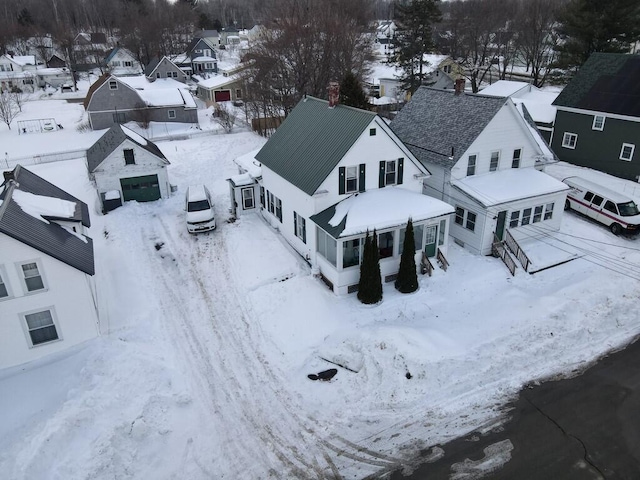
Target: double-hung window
(569, 140)
(300, 227)
(515, 217)
(471, 166)
(390, 177)
(466, 218)
(279, 209)
(32, 277)
(495, 159)
(41, 327)
(517, 154)
(598, 122)
(171, 113)
(626, 153)
(390, 172)
(548, 211)
(4, 288)
(247, 198)
(352, 179)
(113, 85)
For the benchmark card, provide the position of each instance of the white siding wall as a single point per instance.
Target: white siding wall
(68, 292)
(504, 133)
(108, 174)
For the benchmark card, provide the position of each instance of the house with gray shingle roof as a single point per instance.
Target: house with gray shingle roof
(164, 68)
(482, 153)
(598, 116)
(126, 166)
(329, 174)
(47, 292)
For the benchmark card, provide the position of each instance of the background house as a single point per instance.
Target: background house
(598, 116)
(330, 173)
(121, 62)
(126, 166)
(201, 56)
(164, 68)
(124, 99)
(482, 153)
(47, 293)
(17, 71)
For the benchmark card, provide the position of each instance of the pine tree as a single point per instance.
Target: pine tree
(351, 92)
(370, 285)
(407, 280)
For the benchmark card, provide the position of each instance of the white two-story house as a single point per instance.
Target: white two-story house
(330, 173)
(47, 292)
(481, 153)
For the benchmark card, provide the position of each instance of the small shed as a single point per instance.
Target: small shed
(244, 188)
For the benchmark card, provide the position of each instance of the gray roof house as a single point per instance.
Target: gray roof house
(125, 99)
(164, 68)
(325, 170)
(598, 116)
(125, 166)
(482, 154)
(47, 293)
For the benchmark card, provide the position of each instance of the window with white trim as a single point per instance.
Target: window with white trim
(466, 218)
(248, 201)
(32, 277)
(569, 140)
(172, 113)
(279, 209)
(515, 218)
(4, 287)
(598, 122)
(471, 165)
(208, 66)
(495, 159)
(526, 216)
(537, 213)
(300, 226)
(41, 327)
(351, 252)
(626, 152)
(548, 211)
(352, 179)
(390, 172)
(517, 155)
(326, 246)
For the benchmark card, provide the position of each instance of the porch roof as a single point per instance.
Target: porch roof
(509, 185)
(378, 209)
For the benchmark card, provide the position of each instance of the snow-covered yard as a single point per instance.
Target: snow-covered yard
(201, 369)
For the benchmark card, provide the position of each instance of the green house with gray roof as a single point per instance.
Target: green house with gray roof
(598, 116)
(329, 174)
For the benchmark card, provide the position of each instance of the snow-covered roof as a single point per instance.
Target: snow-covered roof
(509, 185)
(203, 59)
(506, 88)
(249, 164)
(379, 209)
(42, 206)
(538, 102)
(24, 59)
(214, 81)
(164, 92)
(535, 133)
(242, 179)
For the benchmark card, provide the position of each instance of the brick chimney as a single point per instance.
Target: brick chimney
(459, 87)
(334, 94)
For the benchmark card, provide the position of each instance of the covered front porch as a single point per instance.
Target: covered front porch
(341, 230)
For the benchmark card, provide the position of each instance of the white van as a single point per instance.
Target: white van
(613, 209)
(200, 217)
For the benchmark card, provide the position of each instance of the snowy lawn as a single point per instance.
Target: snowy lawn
(201, 370)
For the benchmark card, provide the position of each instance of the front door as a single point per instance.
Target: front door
(430, 241)
(502, 217)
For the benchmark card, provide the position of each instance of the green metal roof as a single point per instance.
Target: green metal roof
(312, 140)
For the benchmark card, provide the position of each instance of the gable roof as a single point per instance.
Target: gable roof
(206, 41)
(312, 140)
(155, 62)
(42, 234)
(607, 82)
(438, 126)
(93, 87)
(112, 139)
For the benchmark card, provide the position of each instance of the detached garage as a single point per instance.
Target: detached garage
(127, 167)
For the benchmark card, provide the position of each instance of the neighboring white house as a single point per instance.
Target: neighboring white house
(18, 71)
(47, 292)
(537, 102)
(121, 62)
(126, 166)
(481, 153)
(332, 172)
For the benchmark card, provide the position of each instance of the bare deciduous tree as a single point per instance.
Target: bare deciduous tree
(224, 116)
(8, 108)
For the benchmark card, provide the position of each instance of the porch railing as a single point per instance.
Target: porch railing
(515, 248)
(444, 264)
(425, 265)
(498, 250)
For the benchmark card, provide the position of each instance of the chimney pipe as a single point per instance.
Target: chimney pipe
(334, 94)
(459, 87)
(8, 175)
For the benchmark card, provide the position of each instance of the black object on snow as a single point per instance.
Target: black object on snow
(324, 375)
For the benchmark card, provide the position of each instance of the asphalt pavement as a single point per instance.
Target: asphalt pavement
(582, 428)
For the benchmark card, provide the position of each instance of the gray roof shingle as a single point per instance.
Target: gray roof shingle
(111, 140)
(312, 140)
(607, 82)
(438, 126)
(49, 238)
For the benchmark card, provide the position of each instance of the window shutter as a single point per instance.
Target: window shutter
(304, 230)
(341, 180)
(400, 170)
(382, 171)
(361, 180)
(295, 224)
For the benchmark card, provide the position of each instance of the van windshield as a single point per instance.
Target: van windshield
(628, 209)
(198, 206)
